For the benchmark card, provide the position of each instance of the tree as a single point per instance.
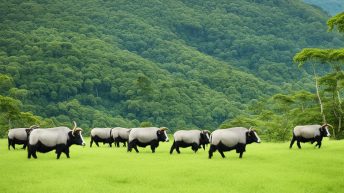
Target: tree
(9, 109)
(146, 124)
(334, 80)
(6, 82)
(336, 21)
(284, 104)
(313, 55)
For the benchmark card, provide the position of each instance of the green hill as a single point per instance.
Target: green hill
(333, 7)
(180, 63)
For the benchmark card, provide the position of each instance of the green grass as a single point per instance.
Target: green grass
(266, 167)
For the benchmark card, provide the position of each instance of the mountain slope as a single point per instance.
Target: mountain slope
(177, 63)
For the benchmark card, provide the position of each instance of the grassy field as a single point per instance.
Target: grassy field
(265, 167)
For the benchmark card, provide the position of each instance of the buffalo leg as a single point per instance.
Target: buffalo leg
(34, 155)
(96, 142)
(13, 144)
(110, 144)
(66, 151)
(135, 147)
(203, 145)
(298, 144)
(222, 154)
(177, 149)
(173, 147)
(318, 144)
(153, 148)
(9, 143)
(29, 149)
(24, 146)
(240, 155)
(212, 149)
(194, 147)
(292, 142)
(124, 144)
(58, 155)
(31, 152)
(59, 150)
(132, 144)
(129, 148)
(154, 145)
(91, 142)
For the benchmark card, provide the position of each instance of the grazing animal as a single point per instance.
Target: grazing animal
(19, 136)
(101, 135)
(120, 134)
(187, 138)
(232, 138)
(309, 133)
(143, 137)
(58, 138)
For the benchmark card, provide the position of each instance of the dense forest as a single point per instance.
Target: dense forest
(181, 63)
(281, 112)
(333, 7)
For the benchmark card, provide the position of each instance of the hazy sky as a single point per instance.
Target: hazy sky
(333, 7)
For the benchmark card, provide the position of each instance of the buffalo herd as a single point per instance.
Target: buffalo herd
(44, 140)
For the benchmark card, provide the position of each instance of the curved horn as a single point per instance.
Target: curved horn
(163, 128)
(326, 124)
(34, 126)
(74, 125)
(329, 125)
(78, 129)
(75, 130)
(250, 128)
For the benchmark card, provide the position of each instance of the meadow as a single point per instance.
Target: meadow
(265, 167)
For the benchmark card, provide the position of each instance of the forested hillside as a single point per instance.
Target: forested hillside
(178, 63)
(331, 6)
